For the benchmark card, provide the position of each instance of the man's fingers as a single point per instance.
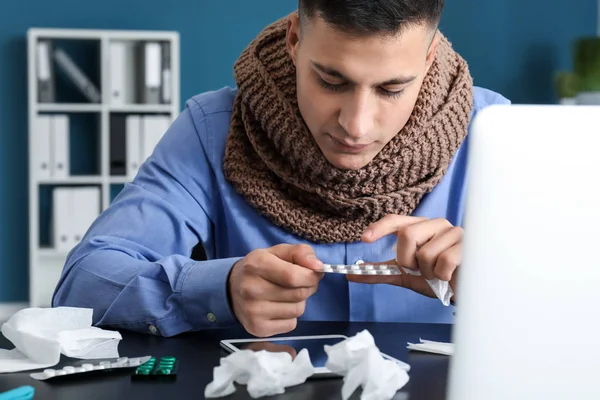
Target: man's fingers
(263, 290)
(288, 295)
(387, 225)
(448, 262)
(412, 237)
(270, 310)
(262, 328)
(269, 318)
(301, 254)
(282, 273)
(428, 254)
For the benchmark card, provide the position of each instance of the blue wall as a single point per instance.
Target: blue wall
(513, 46)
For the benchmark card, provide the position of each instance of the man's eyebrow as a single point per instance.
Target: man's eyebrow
(400, 80)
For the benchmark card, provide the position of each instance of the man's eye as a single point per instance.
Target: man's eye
(392, 93)
(334, 87)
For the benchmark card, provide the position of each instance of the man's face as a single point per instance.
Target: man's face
(356, 93)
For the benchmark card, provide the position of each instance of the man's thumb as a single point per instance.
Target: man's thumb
(300, 254)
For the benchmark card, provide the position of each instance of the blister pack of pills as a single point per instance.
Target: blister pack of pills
(87, 368)
(361, 269)
(165, 370)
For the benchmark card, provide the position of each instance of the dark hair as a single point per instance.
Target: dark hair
(367, 17)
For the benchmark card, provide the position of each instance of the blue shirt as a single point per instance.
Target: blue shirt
(133, 267)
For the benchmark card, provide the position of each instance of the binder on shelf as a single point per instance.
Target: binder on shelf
(42, 134)
(62, 206)
(153, 129)
(76, 75)
(167, 74)
(117, 73)
(74, 209)
(60, 146)
(86, 208)
(45, 72)
(133, 128)
(149, 137)
(118, 145)
(149, 74)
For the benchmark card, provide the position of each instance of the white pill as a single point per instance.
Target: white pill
(122, 360)
(60, 372)
(386, 272)
(326, 265)
(383, 267)
(372, 272)
(79, 369)
(100, 366)
(356, 267)
(69, 370)
(369, 266)
(87, 367)
(49, 372)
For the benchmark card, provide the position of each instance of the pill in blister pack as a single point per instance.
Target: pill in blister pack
(100, 367)
(361, 269)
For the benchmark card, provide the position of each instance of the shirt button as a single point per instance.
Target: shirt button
(152, 329)
(211, 317)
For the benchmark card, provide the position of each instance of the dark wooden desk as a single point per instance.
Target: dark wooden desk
(199, 353)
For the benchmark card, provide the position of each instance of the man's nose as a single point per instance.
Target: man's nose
(357, 116)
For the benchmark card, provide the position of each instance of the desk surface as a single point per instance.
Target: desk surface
(200, 352)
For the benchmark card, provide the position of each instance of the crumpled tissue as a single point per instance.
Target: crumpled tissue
(359, 360)
(442, 289)
(265, 373)
(430, 346)
(40, 335)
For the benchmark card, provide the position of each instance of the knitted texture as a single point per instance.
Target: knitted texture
(272, 160)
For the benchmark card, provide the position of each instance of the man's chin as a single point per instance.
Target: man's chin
(348, 161)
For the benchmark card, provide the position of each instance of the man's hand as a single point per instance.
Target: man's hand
(432, 247)
(269, 288)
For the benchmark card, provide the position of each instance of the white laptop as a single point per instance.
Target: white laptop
(528, 303)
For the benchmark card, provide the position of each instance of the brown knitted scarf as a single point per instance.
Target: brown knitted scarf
(272, 160)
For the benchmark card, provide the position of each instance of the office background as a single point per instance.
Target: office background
(513, 47)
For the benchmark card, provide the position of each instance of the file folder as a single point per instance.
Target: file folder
(43, 146)
(45, 72)
(150, 73)
(60, 146)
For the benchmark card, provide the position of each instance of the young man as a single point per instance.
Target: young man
(346, 135)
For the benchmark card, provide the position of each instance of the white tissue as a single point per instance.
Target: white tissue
(430, 346)
(440, 288)
(359, 360)
(40, 335)
(265, 373)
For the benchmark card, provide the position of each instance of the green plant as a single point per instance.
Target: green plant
(566, 84)
(586, 63)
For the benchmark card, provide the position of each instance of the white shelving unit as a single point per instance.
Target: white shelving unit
(45, 261)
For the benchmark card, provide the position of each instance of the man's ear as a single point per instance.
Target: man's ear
(431, 53)
(292, 37)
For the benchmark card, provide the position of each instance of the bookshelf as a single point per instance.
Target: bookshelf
(89, 117)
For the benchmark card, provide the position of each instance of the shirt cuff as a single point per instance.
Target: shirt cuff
(204, 294)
